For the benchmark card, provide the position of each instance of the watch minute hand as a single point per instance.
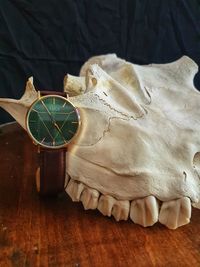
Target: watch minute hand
(53, 121)
(49, 113)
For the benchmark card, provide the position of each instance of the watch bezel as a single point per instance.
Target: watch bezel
(35, 141)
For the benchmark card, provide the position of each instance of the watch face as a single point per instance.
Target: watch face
(52, 121)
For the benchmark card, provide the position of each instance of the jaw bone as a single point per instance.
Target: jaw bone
(118, 100)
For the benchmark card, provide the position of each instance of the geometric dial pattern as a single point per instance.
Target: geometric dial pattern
(52, 121)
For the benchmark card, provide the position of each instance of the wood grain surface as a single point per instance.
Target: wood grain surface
(37, 232)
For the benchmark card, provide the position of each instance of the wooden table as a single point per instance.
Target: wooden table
(38, 232)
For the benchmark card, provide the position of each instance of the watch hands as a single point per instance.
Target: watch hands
(53, 121)
(64, 123)
(57, 127)
(49, 113)
(45, 126)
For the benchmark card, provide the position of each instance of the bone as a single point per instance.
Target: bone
(144, 211)
(106, 204)
(18, 107)
(175, 213)
(74, 85)
(74, 190)
(89, 198)
(121, 209)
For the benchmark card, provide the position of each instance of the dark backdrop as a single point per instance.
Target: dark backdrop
(49, 38)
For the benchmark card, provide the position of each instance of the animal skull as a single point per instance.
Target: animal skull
(137, 153)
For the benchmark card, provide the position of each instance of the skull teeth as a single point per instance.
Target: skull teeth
(106, 204)
(74, 189)
(89, 198)
(144, 211)
(110, 206)
(121, 209)
(175, 213)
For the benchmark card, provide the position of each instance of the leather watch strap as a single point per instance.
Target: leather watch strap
(52, 171)
(51, 176)
(43, 93)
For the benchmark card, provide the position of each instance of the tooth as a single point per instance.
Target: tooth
(121, 210)
(89, 198)
(175, 213)
(144, 211)
(74, 189)
(105, 204)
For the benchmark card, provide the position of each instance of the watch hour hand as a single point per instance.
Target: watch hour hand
(59, 130)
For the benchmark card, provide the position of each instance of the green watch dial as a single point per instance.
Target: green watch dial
(52, 121)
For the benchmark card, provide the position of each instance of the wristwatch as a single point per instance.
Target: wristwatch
(52, 122)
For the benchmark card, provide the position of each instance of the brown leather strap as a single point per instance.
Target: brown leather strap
(51, 176)
(43, 93)
(52, 171)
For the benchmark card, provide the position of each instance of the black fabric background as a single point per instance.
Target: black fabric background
(49, 38)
